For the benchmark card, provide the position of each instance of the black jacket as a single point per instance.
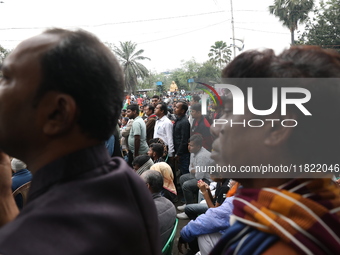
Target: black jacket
(181, 135)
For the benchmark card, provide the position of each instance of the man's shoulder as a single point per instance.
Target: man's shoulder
(111, 198)
(138, 122)
(203, 152)
(167, 121)
(163, 204)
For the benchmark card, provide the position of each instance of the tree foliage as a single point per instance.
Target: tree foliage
(291, 12)
(192, 69)
(324, 28)
(129, 58)
(150, 81)
(3, 53)
(220, 53)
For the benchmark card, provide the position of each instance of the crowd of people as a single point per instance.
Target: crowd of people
(105, 180)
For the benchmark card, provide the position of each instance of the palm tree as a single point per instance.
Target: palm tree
(291, 12)
(129, 57)
(219, 53)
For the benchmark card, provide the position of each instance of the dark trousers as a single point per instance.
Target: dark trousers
(183, 163)
(130, 156)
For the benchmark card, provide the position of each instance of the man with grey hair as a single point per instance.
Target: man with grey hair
(165, 209)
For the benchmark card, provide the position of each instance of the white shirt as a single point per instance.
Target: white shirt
(200, 162)
(164, 130)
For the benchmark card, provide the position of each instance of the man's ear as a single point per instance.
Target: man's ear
(277, 133)
(59, 113)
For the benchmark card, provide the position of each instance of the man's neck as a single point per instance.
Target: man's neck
(198, 151)
(57, 149)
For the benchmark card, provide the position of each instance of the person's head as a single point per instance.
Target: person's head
(195, 143)
(155, 100)
(141, 108)
(139, 161)
(123, 113)
(181, 108)
(196, 111)
(59, 85)
(156, 151)
(195, 99)
(154, 180)
(125, 120)
(132, 111)
(17, 165)
(314, 139)
(161, 110)
(149, 109)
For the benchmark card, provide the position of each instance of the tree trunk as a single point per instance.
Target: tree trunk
(292, 37)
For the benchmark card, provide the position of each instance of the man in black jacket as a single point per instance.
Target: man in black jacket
(181, 136)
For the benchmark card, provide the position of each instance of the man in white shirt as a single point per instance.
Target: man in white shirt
(199, 162)
(164, 128)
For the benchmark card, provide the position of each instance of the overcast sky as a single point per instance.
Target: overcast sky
(168, 31)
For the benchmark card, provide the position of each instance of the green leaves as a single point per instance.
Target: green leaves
(324, 28)
(128, 56)
(291, 12)
(219, 54)
(3, 53)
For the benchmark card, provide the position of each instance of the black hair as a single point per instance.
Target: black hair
(133, 107)
(184, 106)
(163, 108)
(158, 148)
(140, 160)
(196, 98)
(197, 107)
(81, 66)
(151, 107)
(197, 139)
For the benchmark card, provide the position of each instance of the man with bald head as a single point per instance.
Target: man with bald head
(60, 98)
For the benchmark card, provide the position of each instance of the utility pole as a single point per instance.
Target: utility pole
(232, 25)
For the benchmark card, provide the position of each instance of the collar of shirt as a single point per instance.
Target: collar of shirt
(201, 150)
(162, 119)
(67, 168)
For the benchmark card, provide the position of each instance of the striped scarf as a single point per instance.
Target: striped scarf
(304, 214)
(146, 166)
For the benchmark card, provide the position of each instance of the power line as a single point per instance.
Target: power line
(270, 32)
(121, 22)
(184, 33)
